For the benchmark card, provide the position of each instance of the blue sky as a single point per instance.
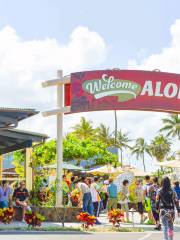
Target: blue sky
(127, 26)
(38, 37)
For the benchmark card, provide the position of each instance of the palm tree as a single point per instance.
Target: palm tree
(104, 135)
(171, 126)
(140, 148)
(160, 147)
(84, 129)
(122, 141)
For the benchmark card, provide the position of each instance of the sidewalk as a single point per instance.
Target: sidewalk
(103, 219)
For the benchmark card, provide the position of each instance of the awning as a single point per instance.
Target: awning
(67, 166)
(12, 140)
(136, 171)
(9, 117)
(107, 169)
(170, 164)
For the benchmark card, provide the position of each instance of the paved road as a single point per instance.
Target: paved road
(93, 236)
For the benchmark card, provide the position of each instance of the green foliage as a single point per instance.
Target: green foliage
(44, 154)
(75, 148)
(171, 126)
(122, 142)
(104, 135)
(160, 147)
(18, 162)
(84, 129)
(139, 149)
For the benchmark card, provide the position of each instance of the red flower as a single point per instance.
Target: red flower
(116, 216)
(86, 219)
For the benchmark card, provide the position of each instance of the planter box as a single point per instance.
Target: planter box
(54, 214)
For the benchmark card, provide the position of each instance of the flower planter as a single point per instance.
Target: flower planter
(53, 214)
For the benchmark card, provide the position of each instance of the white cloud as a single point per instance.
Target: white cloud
(25, 64)
(168, 59)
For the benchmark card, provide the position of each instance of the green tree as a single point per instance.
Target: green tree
(104, 134)
(44, 154)
(18, 162)
(160, 147)
(85, 149)
(84, 129)
(122, 142)
(139, 149)
(171, 126)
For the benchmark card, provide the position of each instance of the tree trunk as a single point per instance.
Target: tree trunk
(144, 164)
(115, 126)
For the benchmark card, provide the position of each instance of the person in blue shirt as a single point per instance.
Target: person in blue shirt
(112, 195)
(177, 189)
(5, 195)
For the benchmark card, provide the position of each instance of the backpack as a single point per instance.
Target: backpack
(166, 199)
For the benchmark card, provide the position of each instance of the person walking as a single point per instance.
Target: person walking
(94, 188)
(125, 198)
(152, 194)
(177, 189)
(112, 195)
(147, 200)
(166, 202)
(138, 192)
(86, 196)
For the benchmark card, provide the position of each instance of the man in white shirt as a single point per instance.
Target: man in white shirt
(86, 196)
(94, 188)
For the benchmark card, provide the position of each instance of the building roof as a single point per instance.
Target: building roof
(9, 117)
(12, 140)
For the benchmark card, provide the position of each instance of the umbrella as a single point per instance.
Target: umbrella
(67, 166)
(107, 169)
(124, 176)
(171, 164)
(137, 172)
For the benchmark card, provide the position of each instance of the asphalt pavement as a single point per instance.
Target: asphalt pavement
(87, 236)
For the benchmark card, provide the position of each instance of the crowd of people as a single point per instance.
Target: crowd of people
(155, 202)
(19, 197)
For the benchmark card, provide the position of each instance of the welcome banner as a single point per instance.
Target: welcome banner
(124, 90)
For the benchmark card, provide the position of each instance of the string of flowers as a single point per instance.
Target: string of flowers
(6, 215)
(86, 220)
(116, 216)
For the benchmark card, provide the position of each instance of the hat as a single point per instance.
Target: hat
(106, 182)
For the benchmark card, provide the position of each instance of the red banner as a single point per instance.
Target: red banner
(124, 90)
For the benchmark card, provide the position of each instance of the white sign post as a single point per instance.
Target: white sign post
(59, 112)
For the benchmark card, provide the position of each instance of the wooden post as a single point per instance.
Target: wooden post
(59, 169)
(1, 166)
(28, 169)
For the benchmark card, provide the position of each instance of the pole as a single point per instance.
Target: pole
(60, 104)
(115, 135)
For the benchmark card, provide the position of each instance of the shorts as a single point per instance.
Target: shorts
(112, 204)
(125, 207)
(140, 207)
(148, 204)
(28, 208)
(3, 204)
